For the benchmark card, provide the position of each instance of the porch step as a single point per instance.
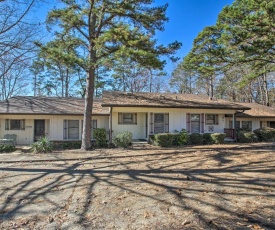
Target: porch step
(23, 149)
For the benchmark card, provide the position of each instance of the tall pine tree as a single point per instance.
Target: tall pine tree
(110, 29)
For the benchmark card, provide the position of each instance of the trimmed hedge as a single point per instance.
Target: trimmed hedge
(207, 139)
(218, 138)
(123, 139)
(265, 134)
(196, 139)
(165, 139)
(246, 137)
(181, 138)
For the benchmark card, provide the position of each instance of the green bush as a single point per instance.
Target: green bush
(6, 148)
(207, 139)
(123, 139)
(246, 137)
(43, 145)
(196, 139)
(181, 138)
(165, 139)
(265, 134)
(100, 137)
(218, 138)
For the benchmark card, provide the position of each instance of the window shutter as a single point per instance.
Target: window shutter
(7, 124)
(202, 123)
(22, 124)
(65, 130)
(151, 123)
(166, 122)
(119, 118)
(188, 128)
(135, 119)
(217, 119)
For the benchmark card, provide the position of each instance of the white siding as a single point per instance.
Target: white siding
(177, 119)
(53, 126)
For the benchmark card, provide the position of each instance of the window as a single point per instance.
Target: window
(195, 123)
(127, 118)
(247, 125)
(237, 124)
(161, 123)
(71, 129)
(212, 119)
(13, 124)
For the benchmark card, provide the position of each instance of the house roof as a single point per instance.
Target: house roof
(166, 100)
(49, 105)
(257, 110)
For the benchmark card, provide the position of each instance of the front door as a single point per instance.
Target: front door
(39, 129)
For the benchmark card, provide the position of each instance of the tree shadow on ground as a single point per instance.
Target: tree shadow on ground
(217, 190)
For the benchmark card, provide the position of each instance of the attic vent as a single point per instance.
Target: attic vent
(162, 97)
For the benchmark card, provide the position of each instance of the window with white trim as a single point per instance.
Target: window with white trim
(211, 119)
(127, 118)
(71, 130)
(195, 123)
(14, 124)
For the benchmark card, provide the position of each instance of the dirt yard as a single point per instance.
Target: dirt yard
(216, 187)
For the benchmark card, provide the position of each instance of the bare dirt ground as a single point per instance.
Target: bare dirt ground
(215, 187)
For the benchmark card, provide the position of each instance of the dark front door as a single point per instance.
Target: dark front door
(39, 129)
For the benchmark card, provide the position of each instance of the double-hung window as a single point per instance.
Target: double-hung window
(195, 123)
(14, 124)
(211, 119)
(127, 118)
(71, 130)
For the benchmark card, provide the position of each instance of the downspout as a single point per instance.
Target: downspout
(234, 123)
(110, 126)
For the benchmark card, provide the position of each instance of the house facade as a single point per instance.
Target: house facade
(145, 114)
(61, 119)
(142, 114)
(258, 116)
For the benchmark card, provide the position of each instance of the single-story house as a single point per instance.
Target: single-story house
(142, 114)
(59, 118)
(257, 117)
(150, 113)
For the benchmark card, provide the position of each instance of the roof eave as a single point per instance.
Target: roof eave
(182, 107)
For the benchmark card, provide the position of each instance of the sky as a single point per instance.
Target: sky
(186, 19)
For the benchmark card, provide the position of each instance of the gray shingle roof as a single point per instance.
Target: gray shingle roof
(166, 100)
(49, 105)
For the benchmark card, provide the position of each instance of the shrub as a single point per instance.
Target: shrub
(100, 137)
(6, 148)
(207, 139)
(164, 139)
(123, 139)
(196, 139)
(265, 134)
(218, 138)
(181, 138)
(246, 137)
(43, 145)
